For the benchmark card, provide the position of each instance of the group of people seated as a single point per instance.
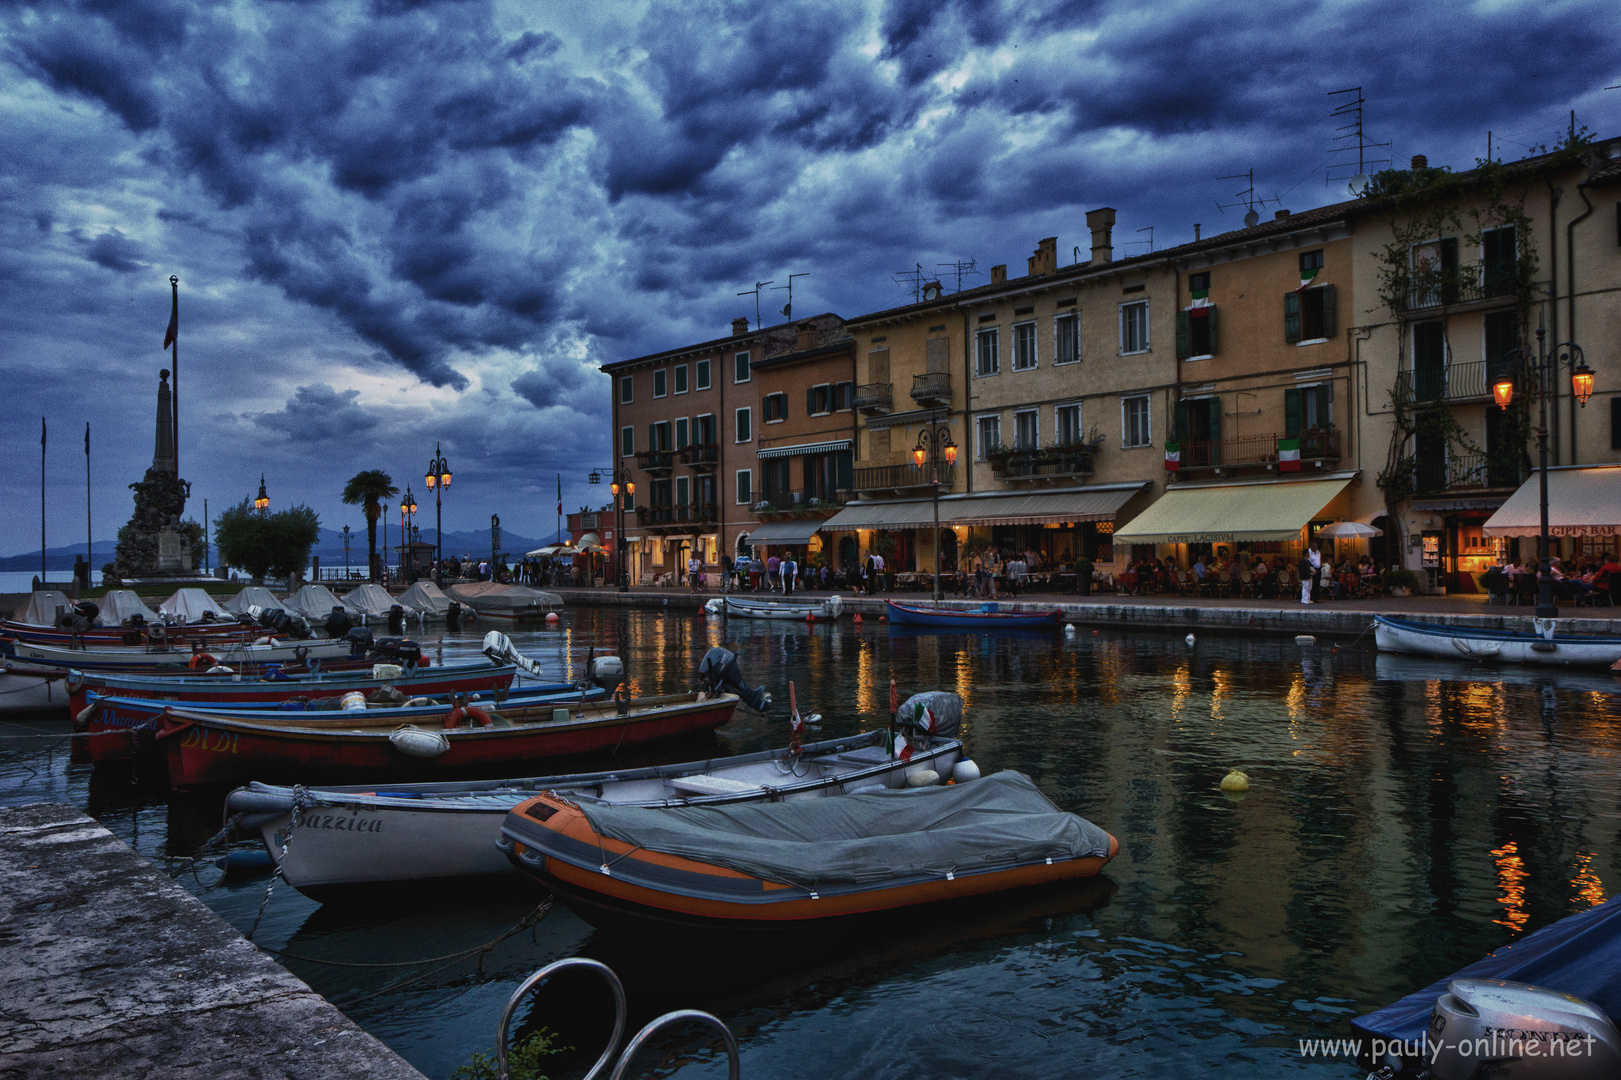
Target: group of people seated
(1268, 576)
(1595, 578)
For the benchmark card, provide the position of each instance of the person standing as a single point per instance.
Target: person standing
(773, 570)
(790, 570)
(1310, 563)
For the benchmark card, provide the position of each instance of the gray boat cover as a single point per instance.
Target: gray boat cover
(373, 601)
(995, 822)
(43, 607)
(497, 599)
(121, 604)
(427, 598)
(254, 596)
(315, 602)
(190, 605)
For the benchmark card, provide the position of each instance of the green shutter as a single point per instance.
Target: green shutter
(1180, 429)
(1210, 316)
(1184, 335)
(1291, 413)
(846, 469)
(1214, 405)
(810, 400)
(1328, 311)
(1291, 316)
(1323, 398)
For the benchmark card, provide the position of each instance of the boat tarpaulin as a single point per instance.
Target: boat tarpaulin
(373, 601)
(425, 597)
(315, 603)
(1582, 501)
(1579, 954)
(784, 532)
(1225, 513)
(119, 605)
(994, 822)
(43, 607)
(254, 596)
(493, 598)
(190, 605)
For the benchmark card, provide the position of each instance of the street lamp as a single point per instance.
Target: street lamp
(438, 479)
(346, 553)
(262, 503)
(619, 481)
(1541, 366)
(934, 443)
(408, 509)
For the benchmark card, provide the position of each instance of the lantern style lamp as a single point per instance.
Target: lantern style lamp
(1503, 391)
(918, 456)
(1581, 382)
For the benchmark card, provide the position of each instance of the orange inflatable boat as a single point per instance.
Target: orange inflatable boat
(795, 863)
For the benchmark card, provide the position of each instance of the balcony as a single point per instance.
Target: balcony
(655, 460)
(932, 389)
(676, 518)
(1043, 463)
(1466, 472)
(875, 399)
(777, 505)
(1470, 285)
(1317, 446)
(700, 457)
(899, 477)
(1453, 382)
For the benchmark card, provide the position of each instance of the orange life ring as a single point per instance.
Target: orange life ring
(472, 712)
(201, 661)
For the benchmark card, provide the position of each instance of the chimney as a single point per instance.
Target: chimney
(1420, 162)
(998, 274)
(1280, 215)
(806, 331)
(1101, 222)
(740, 327)
(1195, 232)
(1045, 260)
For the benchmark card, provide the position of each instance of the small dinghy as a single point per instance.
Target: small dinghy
(797, 864)
(987, 617)
(1546, 646)
(796, 610)
(434, 834)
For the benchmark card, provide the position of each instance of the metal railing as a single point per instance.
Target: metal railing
(1256, 449)
(705, 454)
(1061, 461)
(655, 460)
(935, 386)
(875, 397)
(882, 477)
(1451, 382)
(783, 502)
(694, 514)
(1466, 285)
(1464, 472)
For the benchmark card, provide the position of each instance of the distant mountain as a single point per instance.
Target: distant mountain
(61, 558)
(330, 545)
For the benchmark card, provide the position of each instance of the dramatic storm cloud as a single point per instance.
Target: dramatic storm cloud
(397, 224)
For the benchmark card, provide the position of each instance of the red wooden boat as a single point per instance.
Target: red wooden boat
(213, 749)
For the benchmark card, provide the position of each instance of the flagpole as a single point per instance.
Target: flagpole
(42, 500)
(89, 530)
(174, 365)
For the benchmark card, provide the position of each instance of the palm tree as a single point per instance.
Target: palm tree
(368, 490)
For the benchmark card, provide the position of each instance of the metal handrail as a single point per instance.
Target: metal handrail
(734, 1064)
(935, 384)
(873, 477)
(541, 976)
(875, 395)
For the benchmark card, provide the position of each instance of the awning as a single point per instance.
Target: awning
(1582, 501)
(784, 532)
(805, 448)
(890, 515)
(1226, 513)
(1038, 508)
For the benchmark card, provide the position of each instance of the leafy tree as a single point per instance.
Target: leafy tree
(367, 490)
(266, 544)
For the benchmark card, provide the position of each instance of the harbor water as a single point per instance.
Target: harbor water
(1405, 818)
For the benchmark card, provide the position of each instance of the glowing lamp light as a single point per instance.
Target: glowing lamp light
(630, 487)
(918, 456)
(444, 478)
(430, 481)
(614, 487)
(951, 453)
(262, 503)
(1503, 391)
(1581, 383)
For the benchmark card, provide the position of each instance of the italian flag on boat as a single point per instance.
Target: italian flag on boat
(1288, 455)
(1307, 277)
(1201, 302)
(1173, 456)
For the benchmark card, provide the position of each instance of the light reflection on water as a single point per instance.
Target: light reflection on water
(1405, 818)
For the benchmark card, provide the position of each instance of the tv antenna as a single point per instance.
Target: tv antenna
(912, 279)
(758, 285)
(788, 308)
(1246, 198)
(1355, 138)
(960, 267)
(1149, 229)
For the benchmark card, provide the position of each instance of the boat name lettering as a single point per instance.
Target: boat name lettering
(349, 824)
(215, 742)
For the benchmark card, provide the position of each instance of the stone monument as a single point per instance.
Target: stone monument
(152, 544)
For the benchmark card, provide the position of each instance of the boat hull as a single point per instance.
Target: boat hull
(204, 749)
(351, 840)
(137, 659)
(1456, 643)
(780, 609)
(29, 690)
(949, 619)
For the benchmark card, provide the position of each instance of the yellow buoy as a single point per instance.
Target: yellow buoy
(1235, 781)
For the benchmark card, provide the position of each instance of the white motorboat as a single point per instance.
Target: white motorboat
(1545, 646)
(139, 658)
(798, 610)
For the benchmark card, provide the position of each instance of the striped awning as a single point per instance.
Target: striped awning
(1015, 508)
(1582, 501)
(805, 448)
(784, 532)
(887, 515)
(1225, 513)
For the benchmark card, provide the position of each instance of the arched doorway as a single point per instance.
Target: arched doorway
(948, 551)
(847, 552)
(742, 544)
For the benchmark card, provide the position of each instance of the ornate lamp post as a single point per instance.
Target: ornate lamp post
(1541, 367)
(438, 479)
(262, 503)
(934, 443)
(619, 482)
(346, 552)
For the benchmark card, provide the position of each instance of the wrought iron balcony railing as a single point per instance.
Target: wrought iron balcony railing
(895, 477)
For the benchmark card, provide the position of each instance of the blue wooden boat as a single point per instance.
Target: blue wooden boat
(1548, 647)
(986, 618)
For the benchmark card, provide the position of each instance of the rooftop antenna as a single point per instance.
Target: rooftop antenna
(913, 278)
(758, 285)
(788, 308)
(960, 267)
(1246, 198)
(1353, 137)
(1149, 229)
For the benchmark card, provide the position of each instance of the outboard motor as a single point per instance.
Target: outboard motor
(338, 624)
(360, 641)
(244, 618)
(396, 619)
(719, 673)
(298, 626)
(453, 616)
(207, 617)
(273, 619)
(136, 621)
(605, 671)
(1492, 1028)
(89, 610)
(395, 650)
(499, 648)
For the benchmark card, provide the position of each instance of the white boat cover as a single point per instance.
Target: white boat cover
(189, 605)
(43, 606)
(373, 601)
(119, 605)
(315, 603)
(498, 599)
(991, 823)
(425, 597)
(254, 596)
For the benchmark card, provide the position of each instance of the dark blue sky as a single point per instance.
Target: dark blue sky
(398, 222)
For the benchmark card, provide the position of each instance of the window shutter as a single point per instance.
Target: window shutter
(1210, 316)
(1180, 430)
(1215, 420)
(1184, 335)
(1291, 412)
(1615, 422)
(810, 400)
(846, 468)
(1328, 311)
(652, 436)
(1324, 396)
(1291, 317)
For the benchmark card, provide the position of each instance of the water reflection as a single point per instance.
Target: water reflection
(1406, 817)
